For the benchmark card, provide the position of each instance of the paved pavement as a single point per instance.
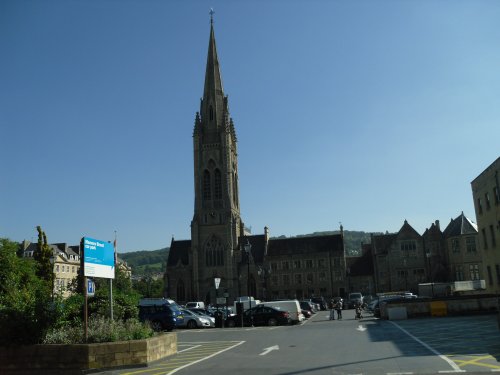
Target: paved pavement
(418, 346)
(471, 342)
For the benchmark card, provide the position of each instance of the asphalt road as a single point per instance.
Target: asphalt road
(320, 346)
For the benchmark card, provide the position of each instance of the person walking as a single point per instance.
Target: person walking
(338, 307)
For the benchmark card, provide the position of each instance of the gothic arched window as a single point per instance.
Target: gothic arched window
(214, 252)
(218, 185)
(207, 194)
(211, 113)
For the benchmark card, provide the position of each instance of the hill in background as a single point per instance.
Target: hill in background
(146, 262)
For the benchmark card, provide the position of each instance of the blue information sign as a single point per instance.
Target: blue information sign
(98, 258)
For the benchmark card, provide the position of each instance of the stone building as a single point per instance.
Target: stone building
(463, 260)
(399, 260)
(486, 195)
(220, 246)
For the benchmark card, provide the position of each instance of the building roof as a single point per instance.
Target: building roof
(304, 245)
(460, 226)
(179, 251)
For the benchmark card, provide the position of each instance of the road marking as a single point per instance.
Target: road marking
(268, 350)
(185, 350)
(362, 329)
(443, 357)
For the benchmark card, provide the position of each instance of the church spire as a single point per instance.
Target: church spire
(213, 93)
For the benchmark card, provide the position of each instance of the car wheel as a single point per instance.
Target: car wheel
(192, 324)
(272, 322)
(156, 326)
(230, 323)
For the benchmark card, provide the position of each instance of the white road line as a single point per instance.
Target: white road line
(191, 347)
(453, 365)
(399, 373)
(207, 357)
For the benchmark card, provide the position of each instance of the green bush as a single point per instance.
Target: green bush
(100, 329)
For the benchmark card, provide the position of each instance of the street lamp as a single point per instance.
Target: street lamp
(406, 275)
(264, 272)
(428, 254)
(248, 248)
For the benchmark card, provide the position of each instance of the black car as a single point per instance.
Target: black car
(320, 301)
(161, 313)
(306, 305)
(260, 316)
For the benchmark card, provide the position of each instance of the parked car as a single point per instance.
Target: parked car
(307, 313)
(193, 320)
(292, 306)
(260, 315)
(320, 301)
(195, 305)
(162, 313)
(205, 315)
(309, 306)
(354, 300)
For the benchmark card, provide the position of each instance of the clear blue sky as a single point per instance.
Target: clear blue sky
(361, 112)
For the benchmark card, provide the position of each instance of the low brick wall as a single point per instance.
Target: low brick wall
(83, 358)
(462, 305)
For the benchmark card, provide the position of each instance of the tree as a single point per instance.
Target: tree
(43, 255)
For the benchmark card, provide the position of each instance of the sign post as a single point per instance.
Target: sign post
(98, 258)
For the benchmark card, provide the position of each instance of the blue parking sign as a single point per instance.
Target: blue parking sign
(90, 287)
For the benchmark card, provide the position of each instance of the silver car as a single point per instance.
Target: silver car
(205, 316)
(192, 320)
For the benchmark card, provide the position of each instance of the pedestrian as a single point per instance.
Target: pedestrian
(332, 310)
(338, 307)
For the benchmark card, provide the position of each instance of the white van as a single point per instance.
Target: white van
(195, 305)
(292, 306)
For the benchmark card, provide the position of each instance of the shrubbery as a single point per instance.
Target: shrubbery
(100, 329)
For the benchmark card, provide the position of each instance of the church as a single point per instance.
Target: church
(220, 246)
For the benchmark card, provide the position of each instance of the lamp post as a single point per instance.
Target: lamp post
(264, 272)
(406, 275)
(248, 248)
(428, 254)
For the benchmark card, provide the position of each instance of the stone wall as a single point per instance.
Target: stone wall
(82, 358)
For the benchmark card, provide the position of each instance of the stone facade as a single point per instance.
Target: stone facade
(486, 195)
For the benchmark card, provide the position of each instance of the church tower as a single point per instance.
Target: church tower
(216, 224)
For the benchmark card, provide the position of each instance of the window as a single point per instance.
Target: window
(490, 277)
(470, 244)
(338, 275)
(211, 113)
(285, 265)
(181, 292)
(487, 199)
(474, 271)
(218, 185)
(298, 278)
(485, 240)
(206, 185)
(493, 240)
(336, 262)
(309, 263)
(274, 266)
(496, 194)
(321, 263)
(322, 276)
(57, 267)
(479, 206)
(274, 280)
(455, 245)
(296, 264)
(309, 278)
(286, 279)
(214, 252)
(459, 273)
(72, 269)
(408, 245)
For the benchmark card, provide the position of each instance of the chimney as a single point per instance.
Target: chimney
(437, 224)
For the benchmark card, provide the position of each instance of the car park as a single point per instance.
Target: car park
(260, 316)
(161, 313)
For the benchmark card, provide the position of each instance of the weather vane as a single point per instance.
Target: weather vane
(211, 15)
